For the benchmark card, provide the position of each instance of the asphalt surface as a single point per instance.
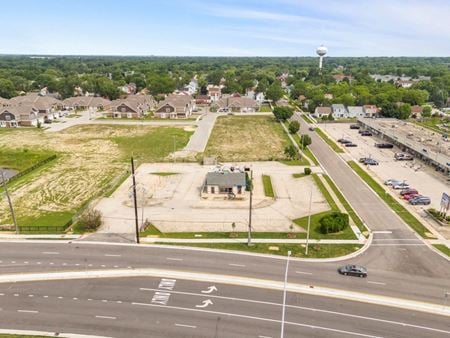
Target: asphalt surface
(158, 307)
(55, 257)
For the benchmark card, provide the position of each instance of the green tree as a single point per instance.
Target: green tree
(404, 111)
(305, 140)
(283, 113)
(426, 112)
(275, 91)
(7, 89)
(294, 127)
(333, 222)
(291, 152)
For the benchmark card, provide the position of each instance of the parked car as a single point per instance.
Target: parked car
(401, 185)
(366, 133)
(353, 270)
(392, 181)
(350, 144)
(403, 157)
(311, 128)
(420, 200)
(384, 145)
(408, 191)
(48, 121)
(343, 141)
(354, 126)
(411, 196)
(371, 161)
(363, 159)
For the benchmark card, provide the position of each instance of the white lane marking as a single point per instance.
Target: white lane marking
(106, 317)
(104, 301)
(13, 262)
(116, 266)
(75, 298)
(205, 303)
(64, 264)
(2, 294)
(161, 298)
(77, 264)
(60, 297)
(50, 253)
(303, 272)
(16, 295)
(28, 311)
(45, 296)
(174, 259)
(184, 325)
(167, 284)
(89, 264)
(264, 337)
(119, 302)
(89, 299)
(260, 318)
(103, 266)
(342, 314)
(240, 265)
(382, 232)
(25, 262)
(379, 283)
(51, 263)
(400, 244)
(30, 295)
(109, 255)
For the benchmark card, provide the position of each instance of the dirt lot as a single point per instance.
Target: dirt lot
(247, 138)
(417, 174)
(173, 202)
(89, 158)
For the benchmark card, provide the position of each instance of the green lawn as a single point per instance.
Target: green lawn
(329, 141)
(49, 222)
(247, 138)
(300, 162)
(325, 192)
(164, 173)
(358, 222)
(400, 210)
(268, 188)
(299, 175)
(305, 150)
(154, 145)
(443, 248)
(297, 250)
(22, 159)
(307, 119)
(315, 225)
(265, 108)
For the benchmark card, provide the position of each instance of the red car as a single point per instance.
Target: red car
(410, 196)
(408, 192)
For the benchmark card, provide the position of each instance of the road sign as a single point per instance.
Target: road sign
(445, 201)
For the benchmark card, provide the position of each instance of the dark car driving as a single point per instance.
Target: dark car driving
(353, 270)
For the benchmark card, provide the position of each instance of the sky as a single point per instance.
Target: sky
(225, 27)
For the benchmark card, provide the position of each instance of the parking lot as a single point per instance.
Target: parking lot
(172, 202)
(419, 175)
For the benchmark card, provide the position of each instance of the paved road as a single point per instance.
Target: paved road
(52, 257)
(161, 307)
(396, 248)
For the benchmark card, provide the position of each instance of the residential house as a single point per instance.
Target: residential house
(224, 184)
(47, 106)
(341, 77)
(236, 104)
(20, 115)
(202, 100)
(214, 92)
(355, 111)
(260, 98)
(93, 103)
(321, 112)
(134, 106)
(282, 102)
(370, 110)
(175, 106)
(129, 88)
(416, 111)
(4, 102)
(339, 111)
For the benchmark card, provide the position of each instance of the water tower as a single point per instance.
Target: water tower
(321, 51)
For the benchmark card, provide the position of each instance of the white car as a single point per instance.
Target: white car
(392, 181)
(401, 186)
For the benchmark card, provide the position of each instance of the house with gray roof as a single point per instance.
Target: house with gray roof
(175, 106)
(339, 111)
(355, 111)
(224, 184)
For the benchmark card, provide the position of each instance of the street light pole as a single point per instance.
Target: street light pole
(134, 200)
(249, 239)
(284, 295)
(309, 223)
(13, 215)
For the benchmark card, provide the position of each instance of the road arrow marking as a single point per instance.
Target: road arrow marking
(205, 303)
(210, 289)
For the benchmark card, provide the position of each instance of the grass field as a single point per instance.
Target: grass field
(297, 250)
(268, 188)
(247, 138)
(21, 159)
(443, 248)
(399, 209)
(91, 160)
(329, 141)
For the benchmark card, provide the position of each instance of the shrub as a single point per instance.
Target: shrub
(305, 140)
(90, 220)
(333, 222)
(307, 171)
(291, 152)
(294, 127)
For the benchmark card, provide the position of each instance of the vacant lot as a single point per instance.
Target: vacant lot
(90, 158)
(21, 159)
(247, 138)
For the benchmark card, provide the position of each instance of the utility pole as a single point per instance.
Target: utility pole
(284, 295)
(134, 200)
(10, 203)
(249, 240)
(309, 223)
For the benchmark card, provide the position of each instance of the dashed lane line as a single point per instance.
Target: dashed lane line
(185, 325)
(378, 283)
(174, 259)
(238, 265)
(28, 311)
(303, 272)
(111, 255)
(50, 253)
(106, 317)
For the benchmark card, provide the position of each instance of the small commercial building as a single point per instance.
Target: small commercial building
(224, 184)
